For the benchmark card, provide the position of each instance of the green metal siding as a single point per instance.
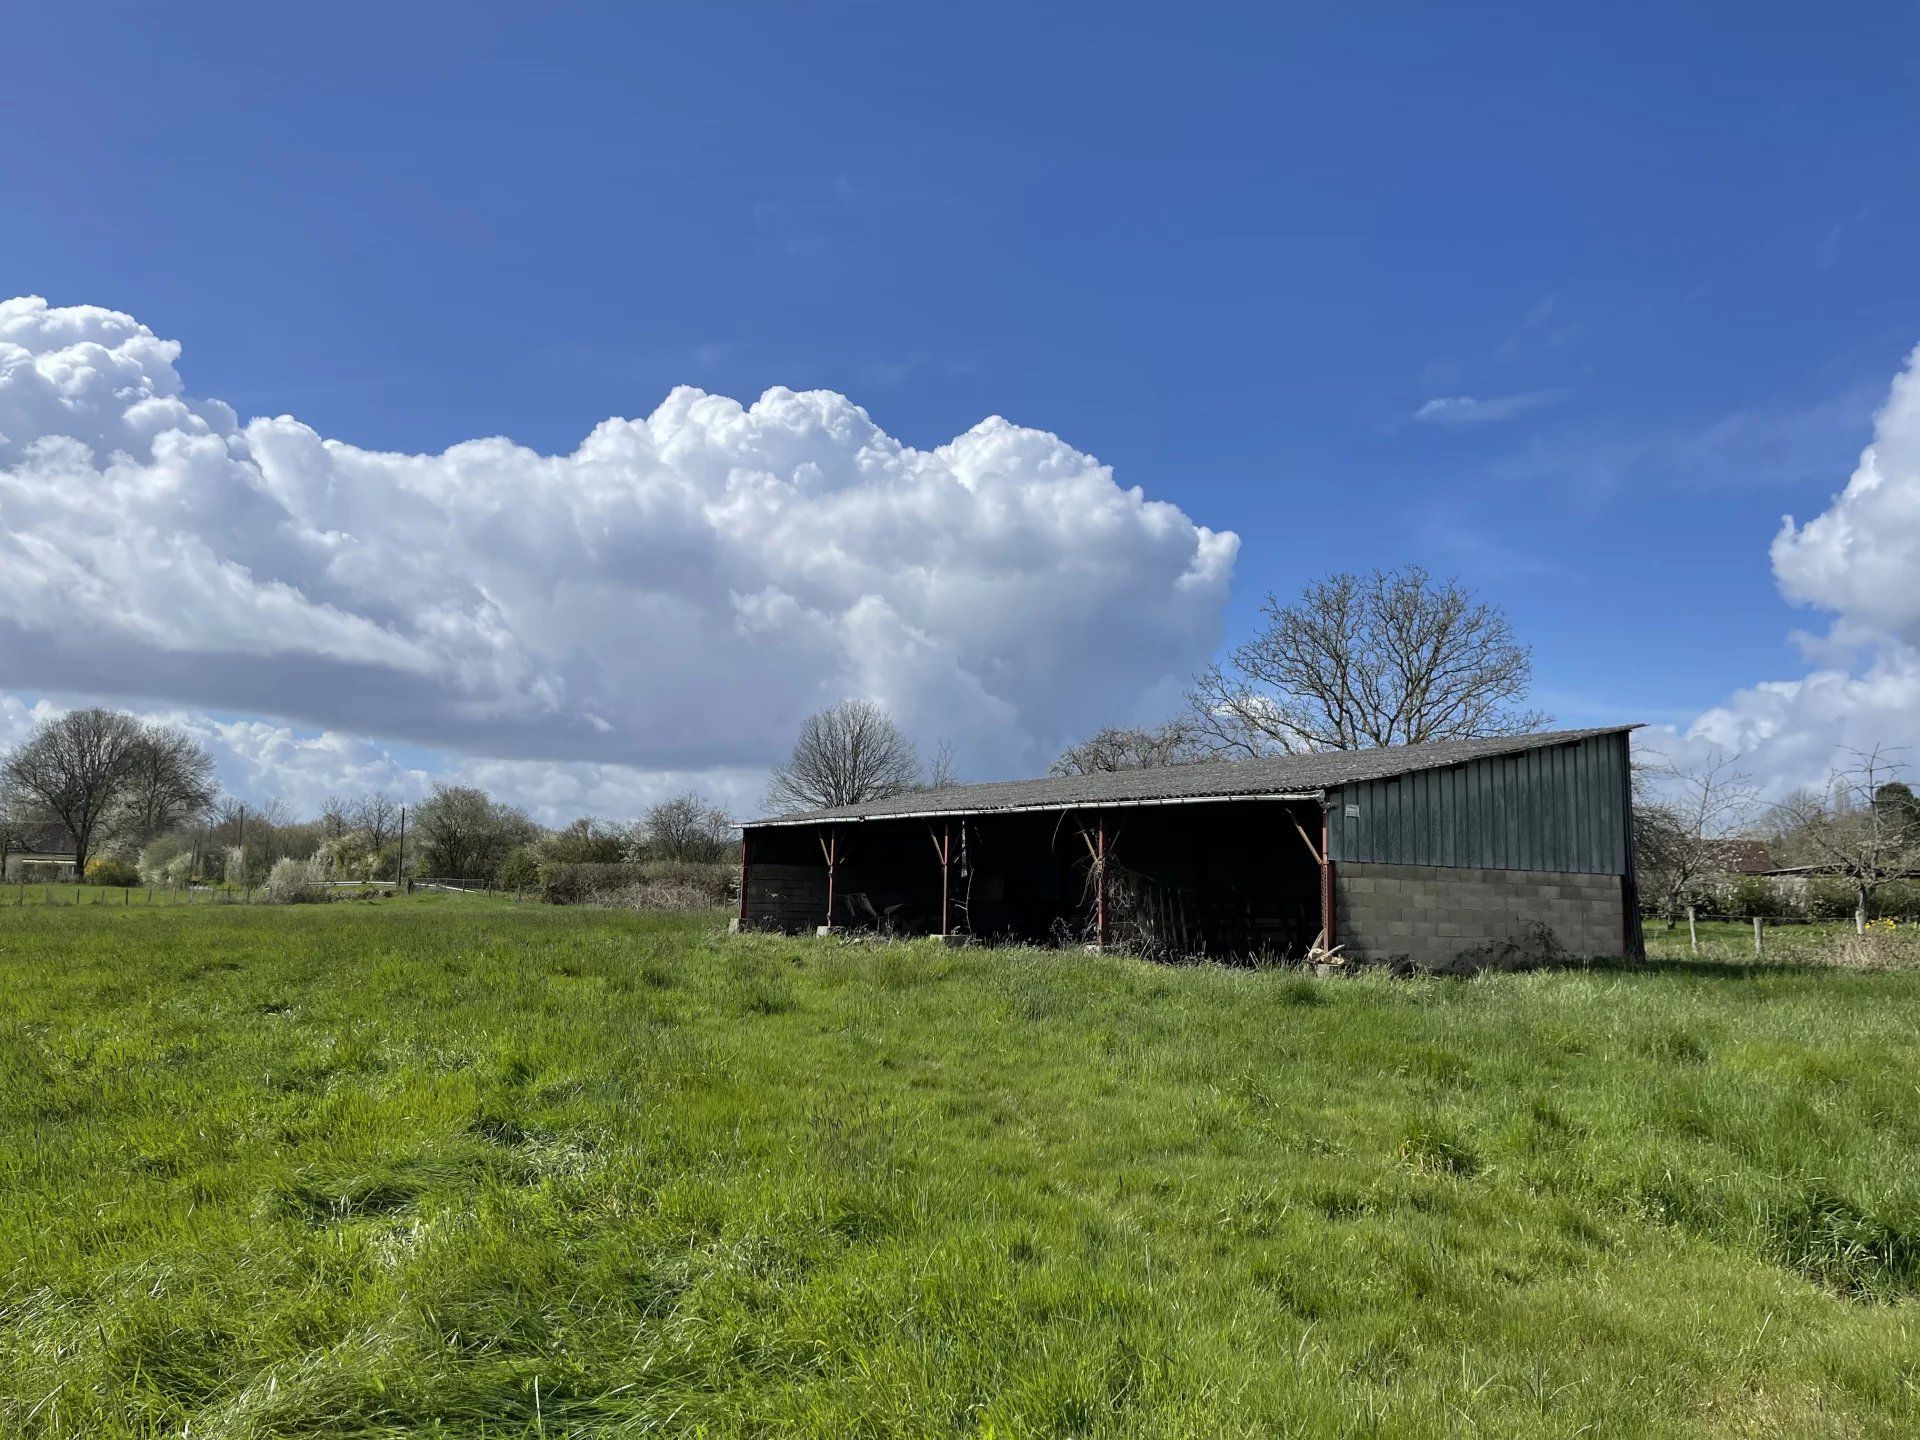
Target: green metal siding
(1564, 808)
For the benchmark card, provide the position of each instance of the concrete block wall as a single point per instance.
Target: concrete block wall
(1431, 914)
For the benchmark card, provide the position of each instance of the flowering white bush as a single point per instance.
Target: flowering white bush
(297, 882)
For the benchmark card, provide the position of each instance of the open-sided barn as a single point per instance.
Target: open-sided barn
(1427, 852)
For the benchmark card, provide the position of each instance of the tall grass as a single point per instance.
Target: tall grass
(449, 1166)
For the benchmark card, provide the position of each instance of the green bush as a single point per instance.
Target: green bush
(1754, 895)
(1898, 900)
(1830, 900)
(110, 870)
(521, 869)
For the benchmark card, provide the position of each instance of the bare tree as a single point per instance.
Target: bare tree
(1682, 817)
(940, 770)
(1390, 658)
(465, 833)
(687, 828)
(336, 817)
(266, 822)
(846, 754)
(379, 816)
(588, 840)
(169, 782)
(74, 770)
(1124, 748)
(1860, 828)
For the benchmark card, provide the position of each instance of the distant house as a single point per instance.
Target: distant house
(1429, 853)
(39, 852)
(1740, 857)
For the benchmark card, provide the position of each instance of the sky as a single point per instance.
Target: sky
(569, 400)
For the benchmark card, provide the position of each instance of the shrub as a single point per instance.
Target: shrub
(297, 882)
(244, 866)
(1830, 900)
(1898, 900)
(347, 857)
(521, 869)
(686, 882)
(1753, 895)
(178, 871)
(662, 895)
(161, 853)
(111, 870)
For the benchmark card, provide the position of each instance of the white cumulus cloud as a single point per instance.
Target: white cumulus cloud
(665, 601)
(1859, 560)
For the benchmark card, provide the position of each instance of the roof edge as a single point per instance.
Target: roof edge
(1309, 791)
(1042, 808)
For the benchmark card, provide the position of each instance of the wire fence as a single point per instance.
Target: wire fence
(20, 893)
(67, 894)
(1692, 919)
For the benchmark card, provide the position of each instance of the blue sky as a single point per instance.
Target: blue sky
(1648, 272)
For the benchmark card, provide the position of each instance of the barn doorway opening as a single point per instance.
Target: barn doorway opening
(1237, 879)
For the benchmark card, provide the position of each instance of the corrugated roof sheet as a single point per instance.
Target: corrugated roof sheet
(1280, 775)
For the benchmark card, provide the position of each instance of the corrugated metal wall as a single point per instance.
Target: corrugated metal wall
(1563, 808)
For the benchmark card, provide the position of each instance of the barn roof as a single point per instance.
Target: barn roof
(1280, 777)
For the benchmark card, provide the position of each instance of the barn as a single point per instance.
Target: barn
(1430, 854)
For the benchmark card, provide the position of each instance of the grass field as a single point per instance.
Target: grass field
(449, 1166)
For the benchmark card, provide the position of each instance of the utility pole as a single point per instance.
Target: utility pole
(400, 866)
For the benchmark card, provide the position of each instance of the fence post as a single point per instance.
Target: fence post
(1693, 934)
(1759, 945)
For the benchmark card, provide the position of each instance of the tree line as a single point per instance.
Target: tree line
(1860, 831)
(135, 801)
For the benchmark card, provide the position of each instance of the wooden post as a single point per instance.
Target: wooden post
(1100, 879)
(1328, 904)
(946, 877)
(1759, 946)
(1693, 933)
(833, 870)
(743, 880)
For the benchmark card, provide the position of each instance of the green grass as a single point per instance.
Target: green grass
(445, 1165)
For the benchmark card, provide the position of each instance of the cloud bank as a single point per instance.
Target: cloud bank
(671, 597)
(1859, 560)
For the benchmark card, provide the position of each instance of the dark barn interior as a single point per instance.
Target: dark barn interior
(1222, 878)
